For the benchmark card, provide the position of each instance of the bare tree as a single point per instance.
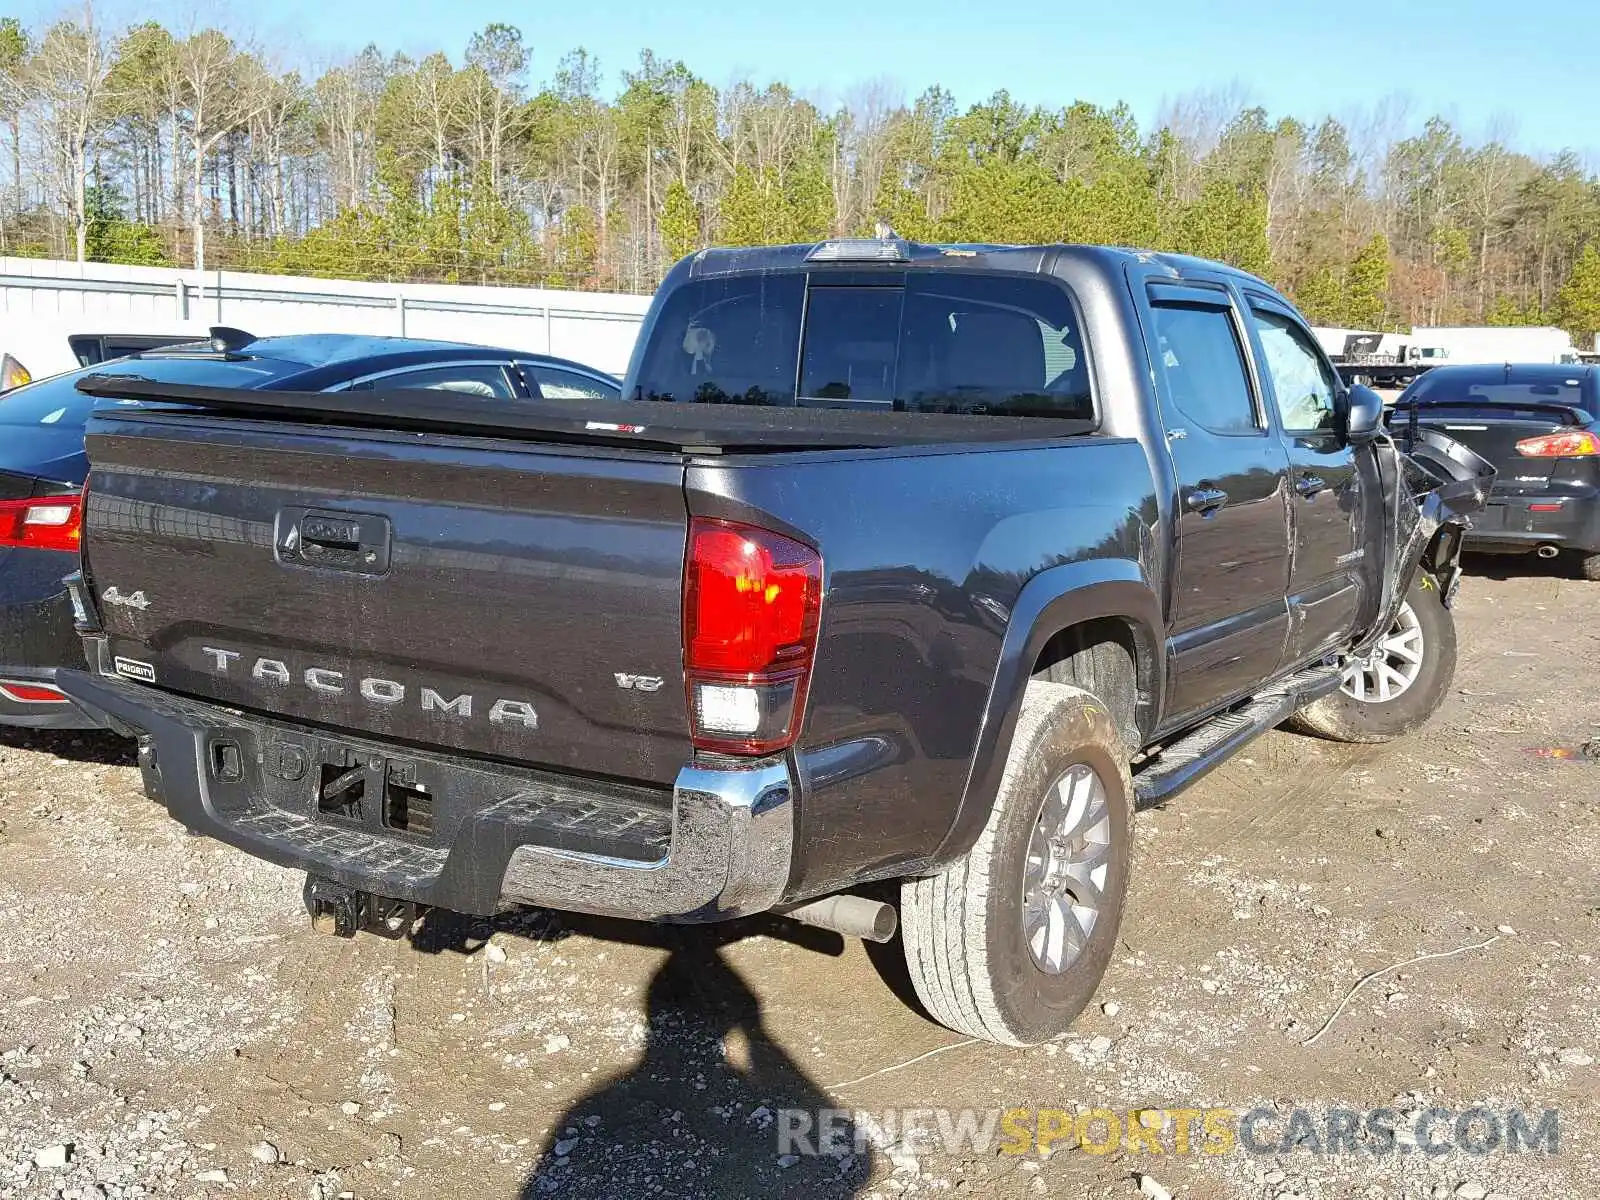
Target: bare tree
(431, 102)
(347, 101)
(66, 82)
(279, 100)
(14, 50)
(222, 98)
(866, 127)
(489, 92)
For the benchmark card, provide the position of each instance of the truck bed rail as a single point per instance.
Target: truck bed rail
(685, 428)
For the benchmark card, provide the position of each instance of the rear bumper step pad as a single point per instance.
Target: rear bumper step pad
(453, 833)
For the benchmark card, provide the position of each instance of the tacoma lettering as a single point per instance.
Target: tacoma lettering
(386, 693)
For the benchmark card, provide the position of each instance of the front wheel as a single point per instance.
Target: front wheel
(1010, 943)
(1400, 683)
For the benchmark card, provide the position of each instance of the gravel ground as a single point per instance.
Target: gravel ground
(169, 1026)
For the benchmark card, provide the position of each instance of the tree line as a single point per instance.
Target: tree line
(147, 145)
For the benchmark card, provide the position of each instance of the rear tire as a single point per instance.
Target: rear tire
(1360, 711)
(1010, 943)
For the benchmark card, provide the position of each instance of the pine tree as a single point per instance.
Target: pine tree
(577, 249)
(1228, 223)
(1366, 303)
(809, 206)
(1578, 302)
(680, 222)
(1321, 299)
(741, 217)
(904, 209)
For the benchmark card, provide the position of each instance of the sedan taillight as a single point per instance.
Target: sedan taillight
(1579, 443)
(42, 523)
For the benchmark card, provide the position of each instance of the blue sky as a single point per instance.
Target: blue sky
(1521, 68)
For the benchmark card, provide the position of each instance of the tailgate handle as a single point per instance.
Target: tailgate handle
(341, 534)
(338, 541)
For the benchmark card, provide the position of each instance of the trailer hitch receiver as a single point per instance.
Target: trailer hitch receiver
(340, 911)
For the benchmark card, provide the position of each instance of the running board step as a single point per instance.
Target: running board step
(1197, 752)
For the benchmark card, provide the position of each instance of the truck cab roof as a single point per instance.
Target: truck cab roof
(978, 256)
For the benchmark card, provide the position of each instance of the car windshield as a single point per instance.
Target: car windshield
(57, 401)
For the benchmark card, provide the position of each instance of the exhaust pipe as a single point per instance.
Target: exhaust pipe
(1548, 551)
(853, 916)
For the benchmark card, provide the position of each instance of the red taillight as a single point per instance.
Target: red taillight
(30, 693)
(751, 602)
(42, 523)
(1576, 444)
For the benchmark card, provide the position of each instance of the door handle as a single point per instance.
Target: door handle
(1309, 485)
(1205, 499)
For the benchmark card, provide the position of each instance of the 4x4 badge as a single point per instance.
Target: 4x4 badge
(137, 600)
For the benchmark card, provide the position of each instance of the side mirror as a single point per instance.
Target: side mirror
(1363, 415)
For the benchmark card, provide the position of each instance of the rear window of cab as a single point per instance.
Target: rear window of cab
(975, 344)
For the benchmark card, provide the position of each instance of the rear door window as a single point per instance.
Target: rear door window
(473, 379)
(924, 342)
(1198, 352)
(556, 384)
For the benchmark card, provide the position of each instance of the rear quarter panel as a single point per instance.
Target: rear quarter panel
(925, 555)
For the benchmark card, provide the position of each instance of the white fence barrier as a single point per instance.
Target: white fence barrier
(42, 301)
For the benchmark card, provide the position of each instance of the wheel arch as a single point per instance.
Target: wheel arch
(1059, 613)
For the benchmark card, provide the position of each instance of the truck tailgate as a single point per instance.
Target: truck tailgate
(513, 600)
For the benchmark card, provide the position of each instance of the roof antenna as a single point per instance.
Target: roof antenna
(227, 340)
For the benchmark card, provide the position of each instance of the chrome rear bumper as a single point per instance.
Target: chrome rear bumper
(732, 837)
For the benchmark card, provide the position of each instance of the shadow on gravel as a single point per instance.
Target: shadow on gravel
(703, 1114)
(1518, 566)
(441, 932)
(85, 746)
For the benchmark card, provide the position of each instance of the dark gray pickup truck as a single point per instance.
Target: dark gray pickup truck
(896, 562)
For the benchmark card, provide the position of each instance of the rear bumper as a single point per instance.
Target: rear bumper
(717, 846)
(26, 704)
(37, 638)
(1524, 523)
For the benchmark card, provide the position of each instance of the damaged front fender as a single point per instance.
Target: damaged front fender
(1432, 487)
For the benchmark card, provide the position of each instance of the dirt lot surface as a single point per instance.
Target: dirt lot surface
(170, 1026)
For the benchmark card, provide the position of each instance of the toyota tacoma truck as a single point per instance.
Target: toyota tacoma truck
(894, 562)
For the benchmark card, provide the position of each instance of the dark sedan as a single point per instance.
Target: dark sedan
(1540, 426)
(42, 465)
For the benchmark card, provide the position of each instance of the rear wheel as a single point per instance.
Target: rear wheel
(1010, 943)
(1397, 686)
